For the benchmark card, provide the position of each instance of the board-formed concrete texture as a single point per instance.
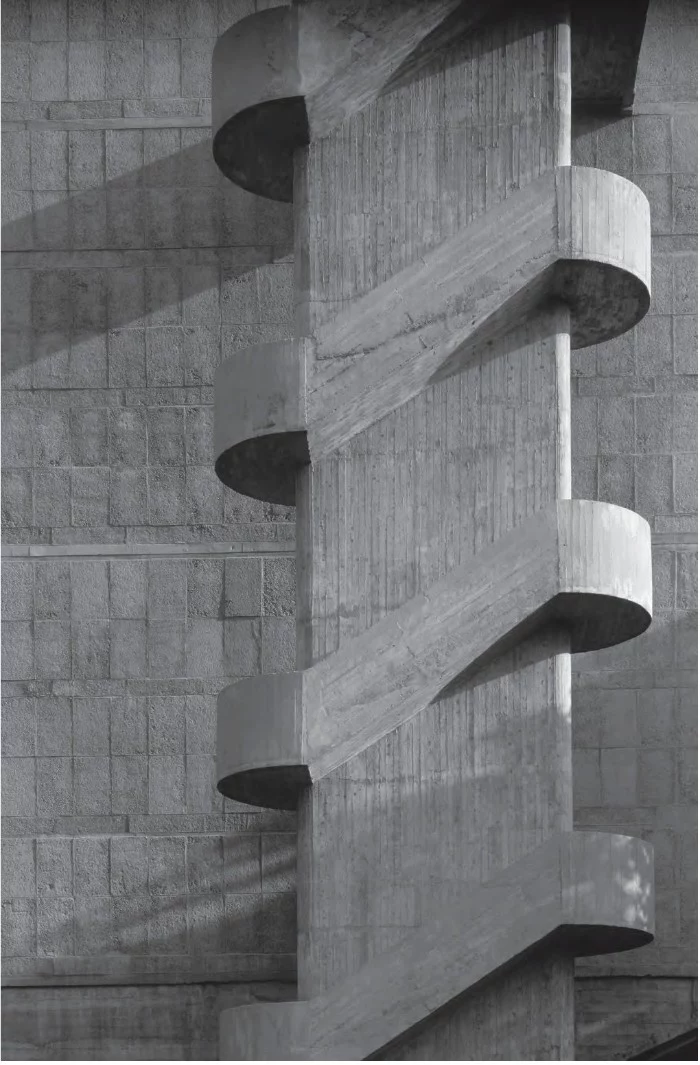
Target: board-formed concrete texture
(445, 248)
(137, 902)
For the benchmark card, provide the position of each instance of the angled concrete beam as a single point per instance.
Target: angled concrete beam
(580, 892)
(586, 565)
(577, 234)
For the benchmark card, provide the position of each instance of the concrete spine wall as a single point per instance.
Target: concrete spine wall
(129, 266)
(634, 426)
(134, 586)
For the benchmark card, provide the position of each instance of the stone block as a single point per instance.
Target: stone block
(242, 863)
(653, 485)
(90, 496)
(18, 868)
(54, 787)
(91, 726)
(618, 717)
(200, 285)
(587, 777)
(129, 726)
(204, 496)
(127, 358)
(685, 204)
(16, 160)
(163, 297)
(126, 218)
(128, 649)
(201, 354)
(206, 924)
(166, 725)
(656, 771)
(685, 143)
(55, 927)
(16, 17)
(89, 299)
(656, 718)
(166, 436)
(90, 437)
(91, 785)
(19, 727)
(278, 645)
(18, 650)
(162, 157)
(18, 591)
(279, 861)
(685, 484)
(91, 865)
(658, 189)
(654, 345)
(54, 867)
(52, 650)
(685, 422)
(19, 928)
(618, 768)
(664, 579)
(196, 66)
(164, 356)
(162, 68)
(687, 776)
(88, 362)
(91, 648)
(129, 865)
(15, 70)
(128, 504)
(661, 284)
(124, 19)
(129, 784)
(202, 796)
(49, 72)
(200, 724)
(205, 588)
(52, 438)
(654, 424)
(685, 343)
(162, 19)
(49, 154)
(166, 648)
(243, 587)
(687, 580)
(279, 587)
(166, 496)
(166, 785)
(54, 726)
(242, 647)
(86, 20)
(167, 927)
(204, 648)
(90, 590)
(685, 283)
(128, 585)
(131, 919)
(204, 864)
(86, 70)
(18, 787)
(279, 923)
(199, 436)
(128, 440)
(165, 213)
(652, 144)
(17, 509)
(126, 298)
(167, 589)
(17, 433)
(166, 865)
(52, 497)
(94, 926)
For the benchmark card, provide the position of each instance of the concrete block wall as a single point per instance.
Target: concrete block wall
(135, 587)
(634, 428)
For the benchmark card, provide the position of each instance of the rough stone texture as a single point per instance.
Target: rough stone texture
(133, 586)
(129, 264)
(635, 444)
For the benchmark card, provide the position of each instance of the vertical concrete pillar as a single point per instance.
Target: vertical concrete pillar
(484, 774)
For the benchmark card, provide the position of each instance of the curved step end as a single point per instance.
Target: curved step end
(265, 467)
(255, 147)
(597, 621)
(274, 787)
(605, 300)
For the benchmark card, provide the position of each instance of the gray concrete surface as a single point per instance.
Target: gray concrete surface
(129, 267)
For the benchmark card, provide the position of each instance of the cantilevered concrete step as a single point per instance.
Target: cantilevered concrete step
(585, 564)
(577, 234)
(289, 75)
(581, 892)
